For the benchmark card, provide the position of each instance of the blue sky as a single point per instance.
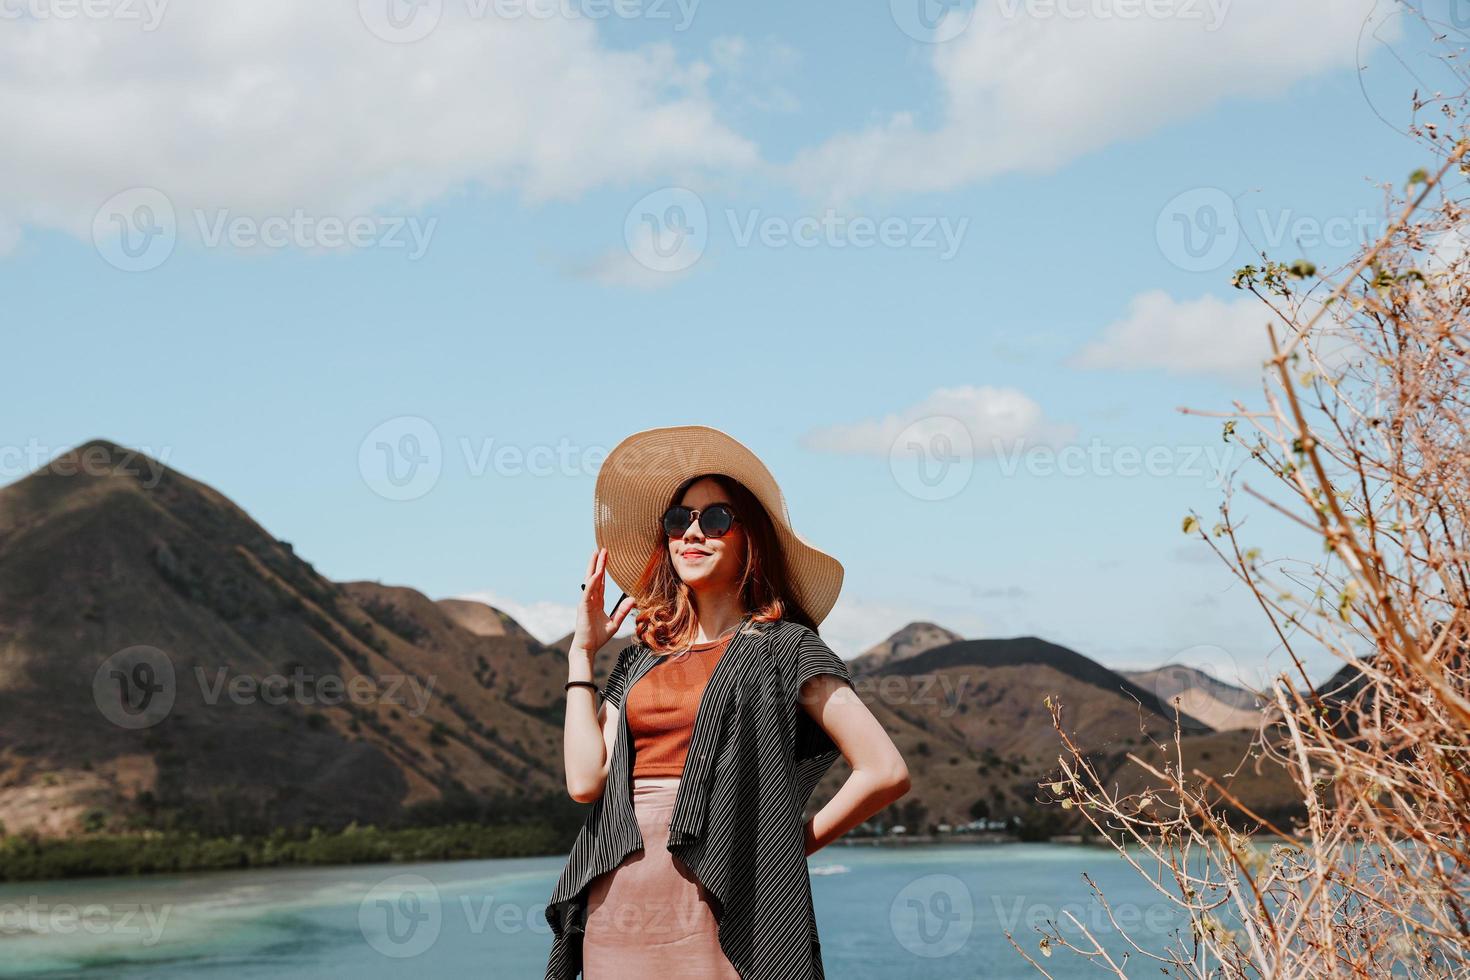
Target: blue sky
(1034, 174)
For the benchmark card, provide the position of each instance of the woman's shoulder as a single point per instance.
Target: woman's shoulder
(790, 627)
(783, 629)
(791, 640)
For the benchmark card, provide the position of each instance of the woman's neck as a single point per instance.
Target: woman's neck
(717, 616)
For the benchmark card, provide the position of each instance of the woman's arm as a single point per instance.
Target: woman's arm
(589, 730)
(879, 775)
(588, 734)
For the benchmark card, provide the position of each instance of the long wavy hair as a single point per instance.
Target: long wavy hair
(666, 617)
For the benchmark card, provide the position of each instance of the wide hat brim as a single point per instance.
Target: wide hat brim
(637, 482)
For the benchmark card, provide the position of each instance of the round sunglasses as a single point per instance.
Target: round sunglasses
(715, 520)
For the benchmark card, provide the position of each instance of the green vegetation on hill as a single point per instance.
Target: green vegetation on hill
(31, 858)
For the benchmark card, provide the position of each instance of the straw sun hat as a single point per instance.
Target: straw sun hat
(639, 477)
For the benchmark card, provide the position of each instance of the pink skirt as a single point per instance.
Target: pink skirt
(650, 917)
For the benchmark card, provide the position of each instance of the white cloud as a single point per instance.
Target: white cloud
(755, 77)
(272, 106)
(1205, 336)
(1211, 337)
(617, 267)
(992, 417)
(1023, 90)
(545, 620)
(855, 625)
(649, 259)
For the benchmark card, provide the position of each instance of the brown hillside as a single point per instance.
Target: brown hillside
(119, 554)
(971, 721)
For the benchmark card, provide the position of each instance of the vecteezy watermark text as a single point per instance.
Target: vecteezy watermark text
(303, 688)
(303, 230)
(833, 229)
(1211, 13)
(407, 21)
(136, 230)
(147, 13)
(403, 458)
(146, 465)
(33, 917)
(1200, 229)
(1098, 458)
(669, 229)
(138, 687)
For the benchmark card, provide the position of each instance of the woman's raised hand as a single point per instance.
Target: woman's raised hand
(594, 626)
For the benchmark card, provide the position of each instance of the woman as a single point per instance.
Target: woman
(713, 728)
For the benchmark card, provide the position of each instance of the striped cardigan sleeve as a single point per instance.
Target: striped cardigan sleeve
(617, 678)
(814, 656)
(814, 748)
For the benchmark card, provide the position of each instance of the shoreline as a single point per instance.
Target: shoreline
(158, 854)
(908, 840)
(147, 855)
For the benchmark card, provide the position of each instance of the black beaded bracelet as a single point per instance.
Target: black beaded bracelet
(572, 684)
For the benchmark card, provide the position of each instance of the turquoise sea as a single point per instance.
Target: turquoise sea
(884, 912)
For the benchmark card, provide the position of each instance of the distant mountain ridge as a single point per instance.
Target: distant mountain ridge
(908, 641)
(1222, 706)
(1032, 651)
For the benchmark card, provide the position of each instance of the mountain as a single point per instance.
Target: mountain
(1232, 758)
(482, 619)
(1222, 706)
(117, 571)
(971, 721)
(910, 641)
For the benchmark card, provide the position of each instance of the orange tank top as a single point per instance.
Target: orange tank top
(662, 707)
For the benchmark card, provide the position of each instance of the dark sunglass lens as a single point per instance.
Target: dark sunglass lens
(677, 520)
(716, 520)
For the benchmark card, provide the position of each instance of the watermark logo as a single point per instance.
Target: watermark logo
(135, 688)
(138, 687)
(668, 230)
(932, 21)
(1198, 230)
(401, 916)
(932, 916)
(933, 458)
(1199, 680)
(401, 21)
(402, 458)
(136, 229)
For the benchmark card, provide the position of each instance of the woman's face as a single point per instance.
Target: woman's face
(708, 564)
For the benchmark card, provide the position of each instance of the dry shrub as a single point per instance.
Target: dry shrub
(1364, 431)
